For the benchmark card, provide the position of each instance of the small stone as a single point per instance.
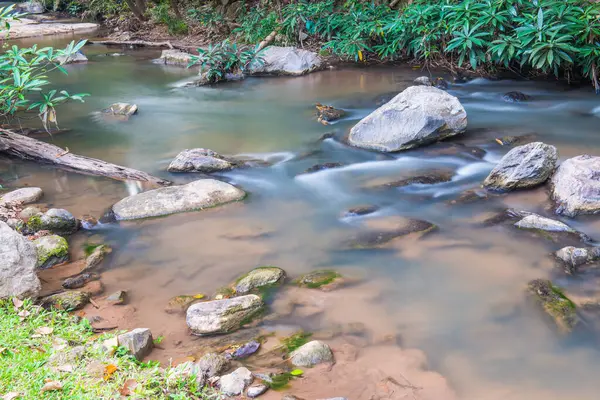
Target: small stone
(576, 186)
(58, 221)
(317, 279)
(180, 304)
(259, 278)
(256, 390)
(138, 341)
(360, 210)
(96, 257)
(322, 167)
(233, 384)
(381, 231)
(23, 196)
(223, 316)
(80, 280)
(110, 345)
(199, 160)
(328, 113)
(69, 300)
(515, 97)
(29, 212)
(93, 288)
(88, 222)
(175, 57)
(311, 354)
(245, 350)
(213, 364)
(574, 257)
(51, 250)
(78, 57)
(423, 80)
(123, 109)
(555, 303)
(117, 298)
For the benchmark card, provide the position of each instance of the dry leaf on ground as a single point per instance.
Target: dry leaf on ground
(17, 302)
(23, 314)
(128, 387)
(11, 396)
(51, 386)
(109, 370)
(44, 330)
(65, 368)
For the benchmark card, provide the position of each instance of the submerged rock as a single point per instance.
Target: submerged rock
(256, 390)
(427, 178)
(419, 115)
(122, 109)
(138, 341)
(78, 57)
(322, 167)
(551, 226)
(24, 195)
(275, 60)
(194, 196)
(199, 160)
(69, 300)
(80, 280)
(55, 220)
(423, 81)
(470, 196)
(515, 140)
(18, 260)
(117, 298)
(328, 113)
(180, 304)
(385, 229)
(243, 351)
(440, 83)
(318, 279)
(259, 278)
(574, 257)
(233, 384)
(96, 257)
(523, 167)
(360, 210)
(555, 303)
(175, 57)
(223, 316)
(515, 97)
(213, 364)
(51, 250)
(576, 186)
(311, 354)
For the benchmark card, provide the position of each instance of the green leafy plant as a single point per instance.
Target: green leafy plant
(224, 58)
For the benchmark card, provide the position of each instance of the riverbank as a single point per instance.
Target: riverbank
(30, 28)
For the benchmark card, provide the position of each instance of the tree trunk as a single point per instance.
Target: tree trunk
(138, 8)
(29, 149)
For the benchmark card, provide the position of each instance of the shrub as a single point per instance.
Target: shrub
(225, 58)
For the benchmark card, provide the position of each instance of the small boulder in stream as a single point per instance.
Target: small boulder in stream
(223, 316)
(553, 228)
(424, 178)
(326, 114)
(138, 341)
(76, 58)
(51, 250)
(235, 383)
(523, 167)
(555, 303)
(55, 220)
(422, 81)
(18, 260)
(360, 211)
(574, 257)
(515, 97)
(322, 167)
(195, 196)
(276, 60)
(24, 195)
(418, 116)
(95, 258)
(180, 304)
(79, 281)
(381, 231)
(311, 354)
(576, 186)
(69, 300)
(121, 109)
(324, 278)
(175, 57)
(199, 160)
(258, 279)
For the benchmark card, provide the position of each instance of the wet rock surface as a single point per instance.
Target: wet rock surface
(138, 342)
(311, 354)
(360, 210)
(175, 57)
(515, 97)
(381, 231)
(199, 160)
(223, 316)
(76, 58)
(18, 260)
(322, 167)
(523, 167)
(555, 304)
(419, 115)
(51, 250)
(233, 384)
(574, 257)
(122, 109)
(576, 186)
(96, 257)
(278, 60)
(537, 222)
(24, 195)
(55, 220)
(80, 280)
(69, 300)
(194, 196)
(259, 278)
(320, 278)
(426, 178)
(328, 113)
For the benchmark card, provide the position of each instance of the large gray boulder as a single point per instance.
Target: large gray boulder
(311, 354)
(199, 160)
(284, 61)
(24, 195)
(175, 57)
(223, 316)
(197, 195)
(523, 167)
(419, 115)
(576, 186)
(18, 259)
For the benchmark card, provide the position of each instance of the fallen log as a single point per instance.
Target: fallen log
(141, 43)
(15, 145)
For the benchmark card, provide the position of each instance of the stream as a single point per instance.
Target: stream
(457, 294)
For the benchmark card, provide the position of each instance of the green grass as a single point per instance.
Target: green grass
(295, 341)
(26, 364)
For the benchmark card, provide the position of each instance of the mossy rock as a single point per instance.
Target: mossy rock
(259, 279)
(95, 254)
(68, 300)
(555, 303)
(51, 250)
(397, 227)
(224, 293)
(319, 279)
(180, 304)
(58, 221)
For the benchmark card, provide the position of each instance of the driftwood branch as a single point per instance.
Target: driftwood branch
(15, 145)
(267, 40)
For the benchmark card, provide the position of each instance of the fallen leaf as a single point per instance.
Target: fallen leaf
(297, 372)
(199, 296)
(65, 368)
(36, 336)
(128, 387)
(18, 303)
(80, 313)
(51, 386)
(59, 344)
(109, 370)
(44, 330)
(11, 395)
(499, 142)
(23, 314)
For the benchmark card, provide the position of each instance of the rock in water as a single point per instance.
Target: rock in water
(419, 115)
(515, 97)
(223, 316)
(180, 304)
(73, 58)
(194, 196)
(328, 113)
(175, 57)
(199, 160)
(23, 196)
(311, 354)
(523, 167)
(213, 364)
(18, 259)
(574, 257)
(555, 303)
(423, 81)
(381, 231)
(322, 167)
(320, 278)
(258, 278)
(576, 186)
(233, 384)
(51, 250)
(256, 390)
(96, 257)
(275, 60)
(80, 280)
(70, 300)
(123, 109)
(55, 220)
(117, 298)
(138, 342)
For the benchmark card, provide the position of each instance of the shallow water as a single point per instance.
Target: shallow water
(457, 294)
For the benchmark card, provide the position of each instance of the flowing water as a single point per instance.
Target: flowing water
(457, 294)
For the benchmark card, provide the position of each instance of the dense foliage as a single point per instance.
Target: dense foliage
(224, 58)
(24, 78)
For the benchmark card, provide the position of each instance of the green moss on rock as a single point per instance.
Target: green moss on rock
(317, 279)
(51, 250)
(259, 279)
(555, 303)
(68, 300)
